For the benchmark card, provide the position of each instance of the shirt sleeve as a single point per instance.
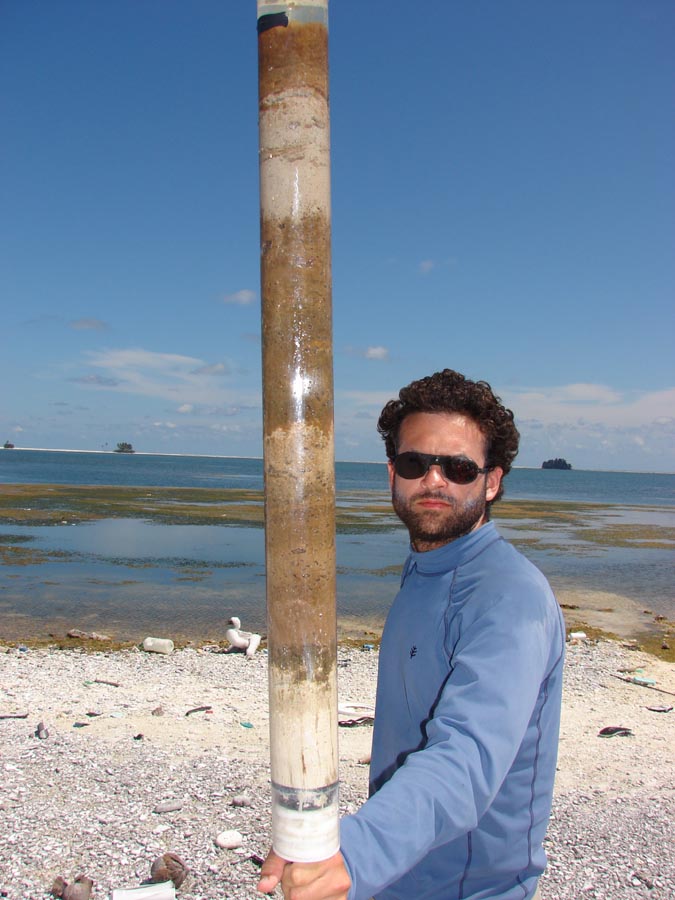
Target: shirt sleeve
(477, 728)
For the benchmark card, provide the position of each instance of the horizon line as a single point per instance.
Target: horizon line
(352, 461)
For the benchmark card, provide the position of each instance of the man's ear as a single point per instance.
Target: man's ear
(390, 469)
(494, 479)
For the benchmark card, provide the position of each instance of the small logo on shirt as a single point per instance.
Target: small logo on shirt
(413, 651)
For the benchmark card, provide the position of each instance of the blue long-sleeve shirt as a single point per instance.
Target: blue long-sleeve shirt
(466, 731)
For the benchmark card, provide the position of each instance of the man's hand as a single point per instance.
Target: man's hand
(325, 880)
(271, 872)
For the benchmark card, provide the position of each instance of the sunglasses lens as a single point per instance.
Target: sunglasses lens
(455, 468)
(461, 471)
(410, 465)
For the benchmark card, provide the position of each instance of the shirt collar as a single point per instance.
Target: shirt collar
(451, 555)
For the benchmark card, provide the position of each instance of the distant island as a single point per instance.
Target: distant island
(8, 445)
(557, 463)
(123, 447)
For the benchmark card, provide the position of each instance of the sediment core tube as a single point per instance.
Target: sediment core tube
(298, 442)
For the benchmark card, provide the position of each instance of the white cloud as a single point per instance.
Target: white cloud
(221, 428)
(591, 403)
(137, 358)
(240, 298)
(185, 408)
(182, 380)
(595, 426)
(215, 369)
(426, 266)
(376, 353)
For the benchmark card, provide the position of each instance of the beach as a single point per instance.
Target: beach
(142, 753)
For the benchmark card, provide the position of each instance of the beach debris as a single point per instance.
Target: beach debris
(577, 636)
(350, 714)
(80, 724)
(246, 724)
(229, 840)
(197, 709)
(157, 711)
(615, 731)
(88, 635)
(164, 890)
(368, 647)
(14, 715)
(166, 806)
(168, 867)
(247, 641)
(665, 645)
(158, 645)
(660, 709)
(241, 800)
(41, 731)
(80, 889)
(643, 682)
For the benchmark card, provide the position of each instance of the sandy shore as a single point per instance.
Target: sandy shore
(129, 770)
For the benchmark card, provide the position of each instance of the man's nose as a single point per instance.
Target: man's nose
(434, 475)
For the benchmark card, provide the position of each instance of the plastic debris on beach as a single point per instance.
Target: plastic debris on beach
(577, 636)
(158, 645)
(248, 641)
(351, 714)
(615, 731)
(164, 890)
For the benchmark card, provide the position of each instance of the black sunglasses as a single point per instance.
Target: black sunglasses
(458, 469)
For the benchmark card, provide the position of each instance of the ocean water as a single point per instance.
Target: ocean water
(128, 577)
(159, 470)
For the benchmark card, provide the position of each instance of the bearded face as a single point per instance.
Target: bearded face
(435, 509)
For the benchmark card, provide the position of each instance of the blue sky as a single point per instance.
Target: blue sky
(503, 204)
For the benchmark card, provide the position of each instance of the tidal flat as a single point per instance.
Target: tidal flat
(124, 559)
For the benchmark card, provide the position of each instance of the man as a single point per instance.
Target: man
(470, 677)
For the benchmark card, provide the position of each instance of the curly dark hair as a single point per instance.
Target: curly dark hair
(447, 392)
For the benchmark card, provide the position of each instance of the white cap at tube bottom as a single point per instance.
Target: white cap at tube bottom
(305, 835)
